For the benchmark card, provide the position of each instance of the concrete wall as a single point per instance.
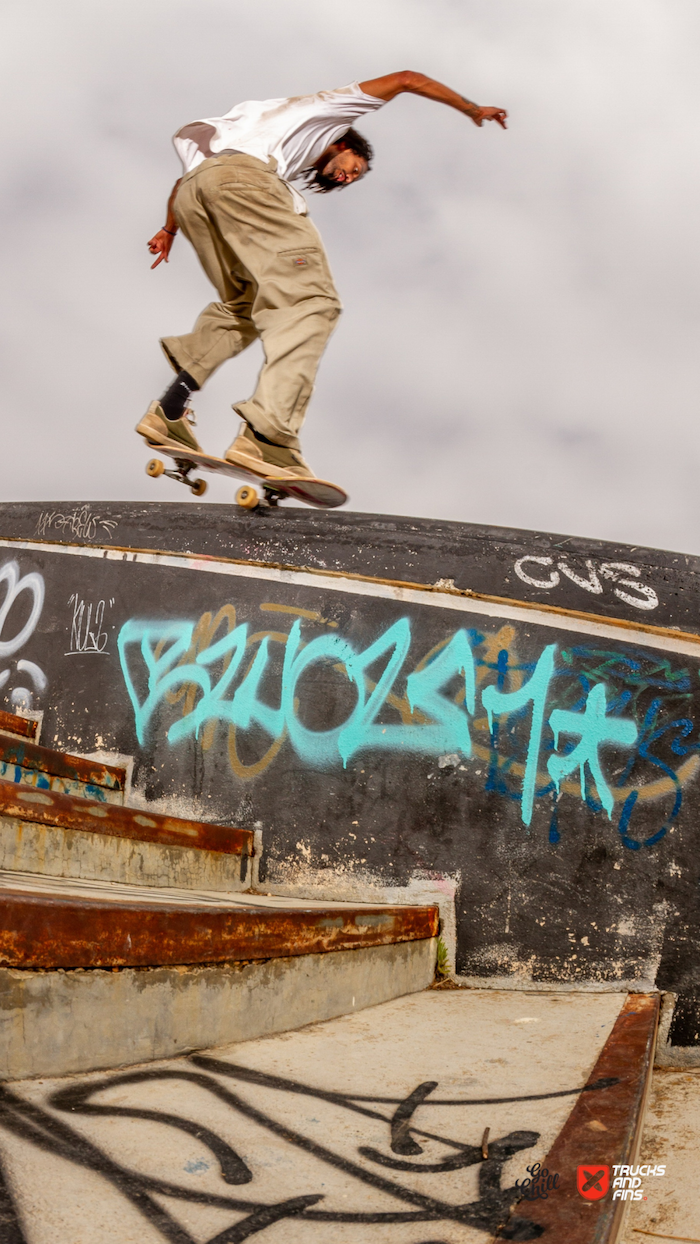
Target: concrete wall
(521, 732)
(53, 1023)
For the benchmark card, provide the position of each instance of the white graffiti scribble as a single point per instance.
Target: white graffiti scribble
(33, 583)
(80, 522)
(86, 633)
(623, 573)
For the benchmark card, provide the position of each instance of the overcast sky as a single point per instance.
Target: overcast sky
(519, 340)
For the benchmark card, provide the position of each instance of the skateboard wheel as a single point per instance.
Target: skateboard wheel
(199, 487)
(247, 497)
(155, 467)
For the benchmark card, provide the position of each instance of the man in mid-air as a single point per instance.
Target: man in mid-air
(261, 251)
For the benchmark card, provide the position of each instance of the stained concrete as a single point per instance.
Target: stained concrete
(484, 1059)
(53, 851)
(671, 1137)
(63, 785)
(668, 1055)
(52, 1023)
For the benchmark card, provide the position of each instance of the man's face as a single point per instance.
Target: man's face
(342, 165)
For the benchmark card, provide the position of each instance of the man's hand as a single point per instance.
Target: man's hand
(160, 245)
(491, 114)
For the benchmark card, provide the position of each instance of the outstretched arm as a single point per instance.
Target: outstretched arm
(162, 241)
(393, 84)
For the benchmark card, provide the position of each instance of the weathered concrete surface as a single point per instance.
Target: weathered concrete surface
(307, 1115)
(602, 1129)
(18, 726)
(670, 1208)
(678, 1053)
(54, 851)
(52, 1023)
(52, 926)
(20, 758)
(48, 807)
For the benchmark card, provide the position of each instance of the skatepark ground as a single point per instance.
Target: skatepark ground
(303, 1120)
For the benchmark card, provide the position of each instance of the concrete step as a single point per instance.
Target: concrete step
(98, 975)
(58, 835)
(21, 727)
(44, 924)
(28, 764)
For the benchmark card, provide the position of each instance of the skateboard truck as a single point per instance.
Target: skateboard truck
(183, 466)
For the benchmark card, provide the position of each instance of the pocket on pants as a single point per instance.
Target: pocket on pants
(307, 267)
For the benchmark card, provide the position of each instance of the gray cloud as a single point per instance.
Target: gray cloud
(519, 338)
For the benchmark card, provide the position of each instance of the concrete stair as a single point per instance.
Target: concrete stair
(128, 935)
(44, 925)
(43, 831)
(27, 764)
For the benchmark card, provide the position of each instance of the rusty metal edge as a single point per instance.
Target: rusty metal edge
(29, 755)
(24, 727)
(42, 932)
(622, 1207)
(69, 812)
(648, 628)
(628, 1055)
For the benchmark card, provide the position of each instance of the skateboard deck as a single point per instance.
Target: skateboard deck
(318, 492)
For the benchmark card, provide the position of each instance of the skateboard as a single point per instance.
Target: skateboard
(264, 491)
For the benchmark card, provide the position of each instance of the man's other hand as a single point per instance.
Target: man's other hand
(491, 114)
(160, 245)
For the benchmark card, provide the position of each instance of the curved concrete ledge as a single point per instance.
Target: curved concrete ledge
(55, 1023)
(46, 931)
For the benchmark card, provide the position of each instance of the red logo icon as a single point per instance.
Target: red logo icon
(593, 1181)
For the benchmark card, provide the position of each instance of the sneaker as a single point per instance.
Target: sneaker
(274, 461)
(176, 433)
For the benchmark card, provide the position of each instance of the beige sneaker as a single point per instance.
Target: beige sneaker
(274, 461)
(158, 430)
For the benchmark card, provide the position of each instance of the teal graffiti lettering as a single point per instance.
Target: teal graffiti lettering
(595, 729)
(534, 691)
(362, 730)
(423, 688)
(431, 691)
(161, 675)
(319, 747)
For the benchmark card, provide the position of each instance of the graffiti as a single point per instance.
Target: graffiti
(86, 633)
(22, 593)
(638, 594)
(80, 522)
(618, 717)
(276, 1105)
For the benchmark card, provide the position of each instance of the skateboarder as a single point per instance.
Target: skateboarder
(260, 250)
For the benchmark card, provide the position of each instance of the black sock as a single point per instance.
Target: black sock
(176, 396)
(259, 437)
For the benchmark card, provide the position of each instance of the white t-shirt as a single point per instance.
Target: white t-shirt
(294, 131)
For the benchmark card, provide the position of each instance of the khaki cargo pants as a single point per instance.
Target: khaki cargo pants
(272, 276)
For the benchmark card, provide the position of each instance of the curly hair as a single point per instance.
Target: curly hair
(351, 141)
